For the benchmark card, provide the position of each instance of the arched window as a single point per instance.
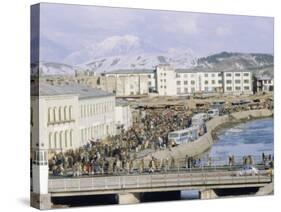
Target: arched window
(50, 140)
(71, 138)
(55, 114)
(65, 113)
(61, 139)
(70, 113)
(60, 114)
(56, 140)
(50, 115)
(65, 138)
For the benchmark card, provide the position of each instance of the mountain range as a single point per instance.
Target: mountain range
(129, 52)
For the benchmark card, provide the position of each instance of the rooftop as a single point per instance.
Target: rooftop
(132, 71)
(83, 91)
(264, 77)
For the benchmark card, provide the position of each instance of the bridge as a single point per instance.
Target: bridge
(212, 178)
(129, 187)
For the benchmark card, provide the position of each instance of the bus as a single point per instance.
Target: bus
(183, 136)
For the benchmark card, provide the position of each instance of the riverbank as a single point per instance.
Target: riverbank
(206, 141)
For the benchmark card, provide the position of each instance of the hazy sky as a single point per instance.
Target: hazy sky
(69, 28)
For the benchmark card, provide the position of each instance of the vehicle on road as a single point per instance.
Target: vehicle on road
(213, 113)
(248, 171)
(183, 136)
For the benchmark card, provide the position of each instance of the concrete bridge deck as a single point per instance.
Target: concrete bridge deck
(154, 182)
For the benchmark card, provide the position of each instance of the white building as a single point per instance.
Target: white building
(67, 116)
(228, 82)
(165, 80)
(123, 115)
(168, 81)
(133, 82)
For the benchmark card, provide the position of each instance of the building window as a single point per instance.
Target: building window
(178, 90)
(185, 90)
(229, 88)
(206, 89)
(50, 140)
(246, 88)
(213, 75)
(185, 82)
(61, 138)
(66, 117)
(213, 82)
(228, 81)
(70, 113)
(220, 74)
(55, 140)
(237, 74)
(71, 138)
(178, 82)
(185, 75)
(246, 74)
(65, 138)
(237, 81)
(178, 75)
(220, 81)
(206, 75)
(206, 82)
(246, 81)
(60, 114)
(192, 82)
(54, 114)
(228, 74)
(237, 88)
(50, 115)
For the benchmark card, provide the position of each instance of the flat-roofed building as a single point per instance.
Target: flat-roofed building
(133, 82)
(68, 116)
(263, 83)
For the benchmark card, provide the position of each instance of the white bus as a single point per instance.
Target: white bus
(183, 136)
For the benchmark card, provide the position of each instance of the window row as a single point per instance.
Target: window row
(95, 132)
(237, 88)
(60, 114)
(61, 139)
(237, 74)
(94, 109)
(237, 81)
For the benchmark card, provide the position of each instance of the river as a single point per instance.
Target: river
(253, 137)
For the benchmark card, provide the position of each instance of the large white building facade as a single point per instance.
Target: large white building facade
(68, 116)
(168, 81)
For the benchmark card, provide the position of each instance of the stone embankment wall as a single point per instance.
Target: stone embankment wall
(205, 142)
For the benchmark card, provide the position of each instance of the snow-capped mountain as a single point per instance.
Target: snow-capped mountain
(129, 52)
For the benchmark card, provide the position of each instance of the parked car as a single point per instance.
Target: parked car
(248, 171)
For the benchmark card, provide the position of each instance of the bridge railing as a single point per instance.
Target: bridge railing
(157, 180)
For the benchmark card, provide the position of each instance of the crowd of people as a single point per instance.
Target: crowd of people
(120, 153)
